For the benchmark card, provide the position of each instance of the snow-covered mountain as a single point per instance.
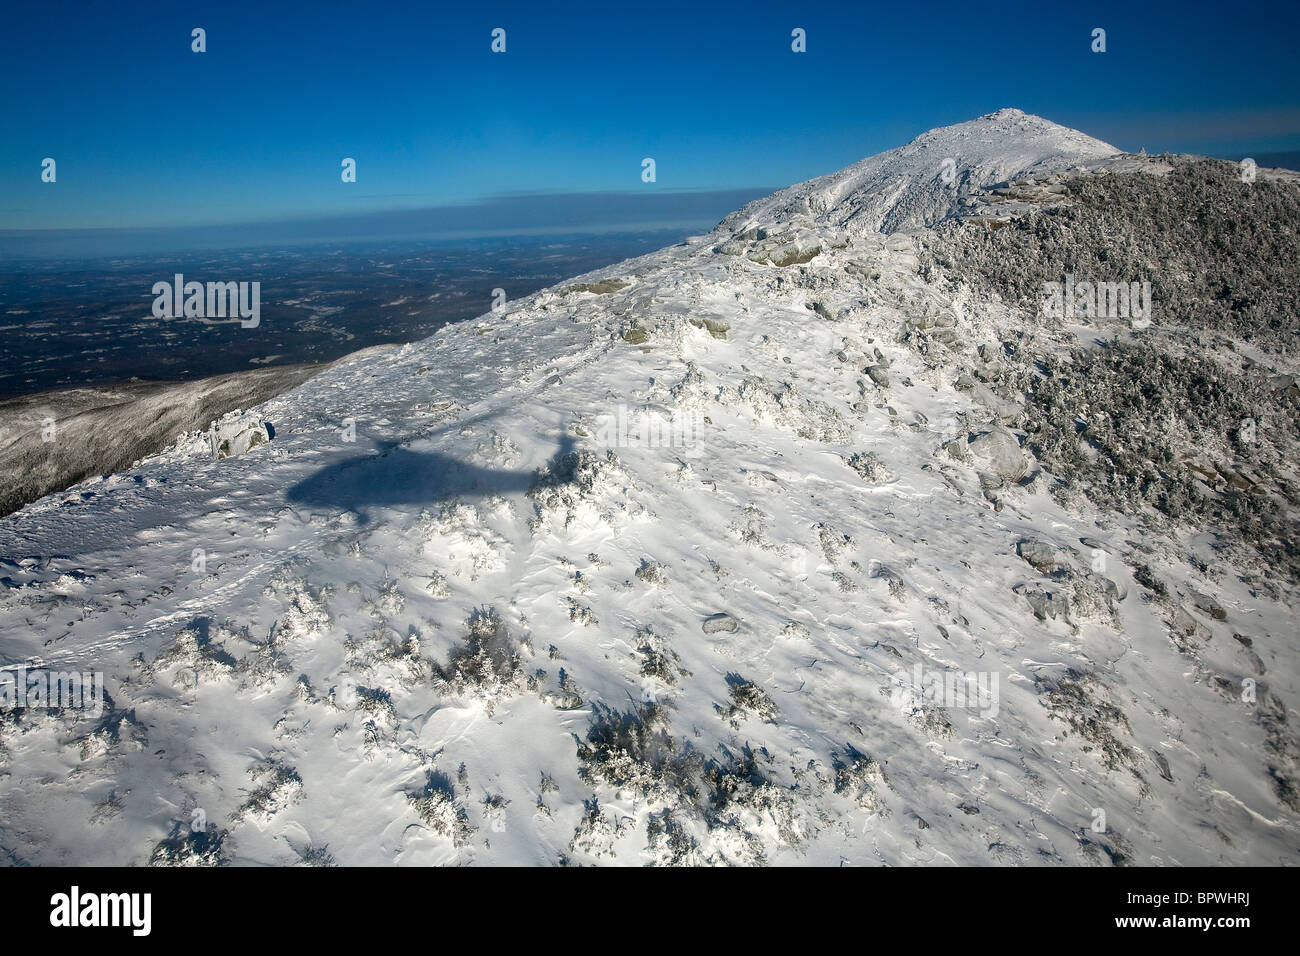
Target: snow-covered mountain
(766, 547)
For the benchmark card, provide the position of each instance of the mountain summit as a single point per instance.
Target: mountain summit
(910, 187)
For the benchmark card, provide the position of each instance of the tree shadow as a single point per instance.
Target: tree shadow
(396, 475)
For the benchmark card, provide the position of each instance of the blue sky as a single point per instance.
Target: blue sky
(147, 133)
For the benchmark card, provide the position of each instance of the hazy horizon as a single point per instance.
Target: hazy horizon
(556, 214)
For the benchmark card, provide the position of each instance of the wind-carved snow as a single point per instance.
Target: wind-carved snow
(486, 631)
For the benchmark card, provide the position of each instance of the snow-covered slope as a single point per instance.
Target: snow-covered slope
(662, 567)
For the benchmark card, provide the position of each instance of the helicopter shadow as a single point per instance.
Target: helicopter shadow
(395, 475)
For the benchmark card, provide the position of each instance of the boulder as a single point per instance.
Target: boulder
(722, 621)
(1039, 554)
(1210, 606)
(998, 451)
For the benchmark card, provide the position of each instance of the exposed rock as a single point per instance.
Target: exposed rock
(1210, 606)
(1047, 605)
(999, 451)
(1041, 555)
(822, 308)
(722, 621)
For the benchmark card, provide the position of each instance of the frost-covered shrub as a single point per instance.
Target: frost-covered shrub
(603, 287)
(560, 488)
(833, 542)
(184, 847)
(632, 751)
(313, 855)
(1184, 427)
(744, 798)
(748, 698)
(487, 665)
(1219, 253)
(669, 840)
(861, 779)
(732, 796)
(580, 613)
(652, 573)
(1127, 424)
(197, 656)
(277, 787)
(868, 467)
(305, 618)
(784, 405)
(387, 602)
(893, 580)
(116, 731)
(658, 660)
(389, 655)
(596, 833)
(264, 667)
(1080, 701)
(1283, 748)
(376, 704)
(437, 806)
(437, 585)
